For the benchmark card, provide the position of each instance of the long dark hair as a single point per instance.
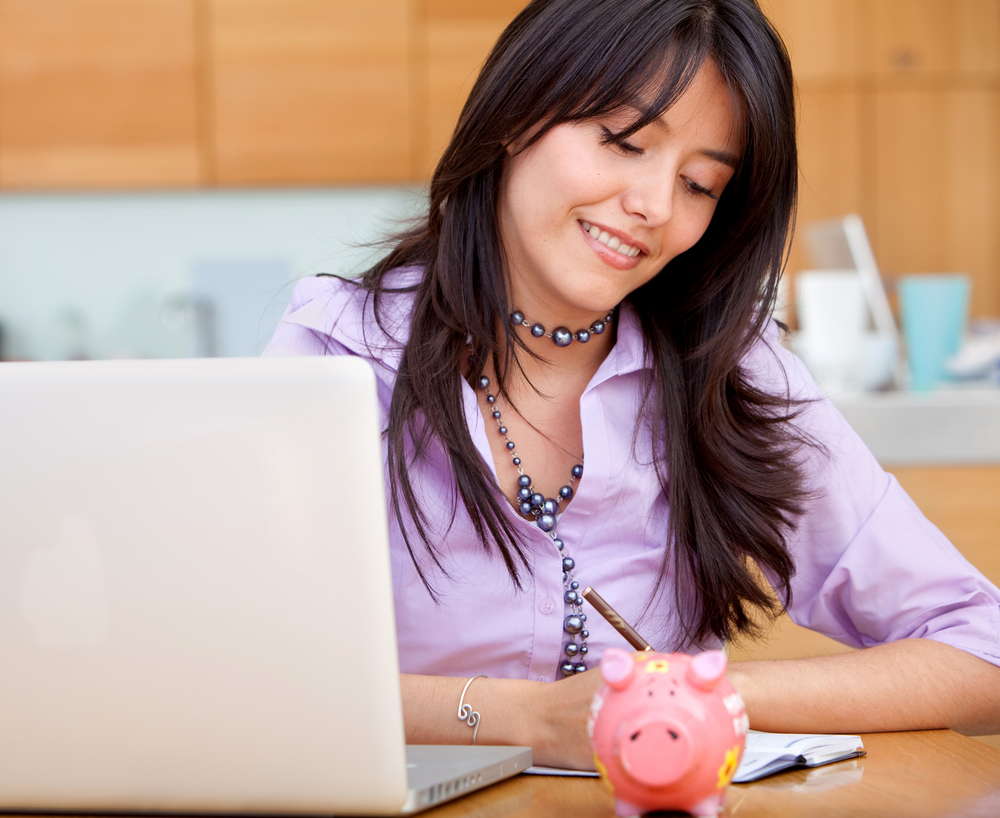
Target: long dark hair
(728, 456)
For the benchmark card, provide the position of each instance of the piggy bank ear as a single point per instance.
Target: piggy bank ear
(616, 667)
(706, 669)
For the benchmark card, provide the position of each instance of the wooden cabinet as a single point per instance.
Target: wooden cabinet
(824, 38)
(936, 133)
(309, 91)
(831, 158)
(824, 42)
(898, 110)
(937, 185)
(98, 93)
(454, 37)
(934, 39)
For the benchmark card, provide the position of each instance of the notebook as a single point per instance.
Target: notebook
(196, 594)
(770, 753)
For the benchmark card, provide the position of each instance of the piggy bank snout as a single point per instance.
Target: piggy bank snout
(655, 751)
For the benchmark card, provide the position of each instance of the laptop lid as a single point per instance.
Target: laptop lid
(195, 589)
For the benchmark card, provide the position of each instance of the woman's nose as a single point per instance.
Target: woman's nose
(651, 197)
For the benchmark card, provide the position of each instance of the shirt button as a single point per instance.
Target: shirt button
(547, 606)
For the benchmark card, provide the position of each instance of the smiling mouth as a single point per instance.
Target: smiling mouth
(613, 242)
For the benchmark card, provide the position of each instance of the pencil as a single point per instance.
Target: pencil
(619, 624)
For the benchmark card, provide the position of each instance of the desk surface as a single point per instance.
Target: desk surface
(911, 775)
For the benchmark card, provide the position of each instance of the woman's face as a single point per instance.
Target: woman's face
(584, 222)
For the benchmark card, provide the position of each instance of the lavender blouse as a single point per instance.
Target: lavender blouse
(870, 568)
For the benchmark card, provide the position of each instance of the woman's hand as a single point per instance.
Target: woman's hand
(560, 722)
(551, 718)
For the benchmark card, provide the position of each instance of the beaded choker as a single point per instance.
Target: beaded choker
(561, 336)
(545, 511)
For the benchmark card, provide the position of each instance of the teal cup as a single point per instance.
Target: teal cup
(934, 311)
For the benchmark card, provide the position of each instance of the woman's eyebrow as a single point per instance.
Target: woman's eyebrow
(727, 158)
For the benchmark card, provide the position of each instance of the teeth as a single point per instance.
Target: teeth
(608, 240)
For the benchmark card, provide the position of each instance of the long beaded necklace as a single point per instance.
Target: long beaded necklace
(545, 511)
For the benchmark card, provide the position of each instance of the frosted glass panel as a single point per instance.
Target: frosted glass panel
(138, 274)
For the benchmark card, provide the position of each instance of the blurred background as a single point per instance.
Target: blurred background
(169, 168)
(153, 153)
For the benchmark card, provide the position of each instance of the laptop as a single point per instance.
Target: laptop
(196, 595)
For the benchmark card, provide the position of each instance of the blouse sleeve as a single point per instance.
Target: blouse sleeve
(870, 568)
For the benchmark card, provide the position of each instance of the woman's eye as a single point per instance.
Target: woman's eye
(698, 190)
(628, 147)
(622, 144)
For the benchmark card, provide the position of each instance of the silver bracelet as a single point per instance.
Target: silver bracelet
(465, 711)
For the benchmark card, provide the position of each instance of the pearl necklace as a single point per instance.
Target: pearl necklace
(545, 512)
(561, 336)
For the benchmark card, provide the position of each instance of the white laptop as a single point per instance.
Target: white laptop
(196, 596)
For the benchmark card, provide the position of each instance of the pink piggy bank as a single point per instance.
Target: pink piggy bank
(667, 730)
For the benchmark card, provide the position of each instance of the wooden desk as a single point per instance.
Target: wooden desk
(905, 775)
(910, 775)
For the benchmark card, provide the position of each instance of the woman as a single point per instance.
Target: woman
(581, 386)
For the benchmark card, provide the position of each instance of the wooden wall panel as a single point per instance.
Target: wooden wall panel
(822, 37)
(824, 41)
(918, 156)
(831, 147)
(935, 38)
(98, 93)
(938, 186)
(454, 37)
(310, 91)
